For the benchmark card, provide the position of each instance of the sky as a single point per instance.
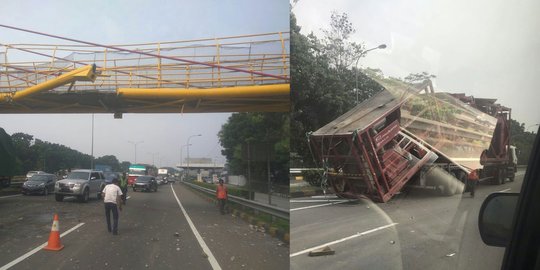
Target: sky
(121, 22)
(485, 48)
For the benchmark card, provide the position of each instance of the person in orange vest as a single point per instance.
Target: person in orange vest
(221, 194)
(473, 181)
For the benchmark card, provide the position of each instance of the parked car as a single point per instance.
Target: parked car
(31, 173)
(42, 183)
(161, 180)
(145, 183)
(81, 184)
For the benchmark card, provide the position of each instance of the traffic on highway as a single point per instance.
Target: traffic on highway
(171, 228)
(418, 229)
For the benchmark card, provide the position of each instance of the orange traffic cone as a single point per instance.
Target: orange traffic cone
(54, 237)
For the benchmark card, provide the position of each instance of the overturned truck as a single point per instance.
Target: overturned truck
(409, 135)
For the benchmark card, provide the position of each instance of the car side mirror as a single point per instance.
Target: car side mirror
(496, 217)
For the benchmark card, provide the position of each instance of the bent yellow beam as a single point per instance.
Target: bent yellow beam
(86, 73)
(214, 93)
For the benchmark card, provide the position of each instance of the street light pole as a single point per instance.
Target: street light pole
(135, 145)
(181, 156)
(198, 135)
(382, 46)
(92, 150)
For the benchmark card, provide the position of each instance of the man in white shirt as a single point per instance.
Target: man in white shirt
(112, 198)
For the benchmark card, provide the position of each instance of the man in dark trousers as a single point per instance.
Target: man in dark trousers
(221, 194)
(473, 181)
(112, 199)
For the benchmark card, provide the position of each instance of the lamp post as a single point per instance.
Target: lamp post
(181, 156)
(135, 145)
(153, 157)
(198, 135)
(382, 46)
(92, 147)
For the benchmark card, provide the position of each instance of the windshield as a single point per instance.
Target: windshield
(39, 178)
(78, 175)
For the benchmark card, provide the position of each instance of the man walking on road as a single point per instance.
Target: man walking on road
(124, 187)
(472, 181)
(112, 201)
(221, 194)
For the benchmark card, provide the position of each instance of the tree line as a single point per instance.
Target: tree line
(33, 154)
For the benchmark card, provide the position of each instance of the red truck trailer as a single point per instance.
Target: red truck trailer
(402, 136)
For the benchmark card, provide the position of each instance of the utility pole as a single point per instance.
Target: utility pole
(135, 145)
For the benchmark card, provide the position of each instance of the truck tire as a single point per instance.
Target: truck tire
(84, 197)
(512, 176)
(501, 175)
(59, 197)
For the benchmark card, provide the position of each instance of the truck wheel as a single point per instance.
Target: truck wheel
(59, 197)
(512, 176)
(84, 198)
(500, 176)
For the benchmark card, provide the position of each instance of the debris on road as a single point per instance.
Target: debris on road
(392, 242)
(176, 234)
(450, 255)
(232, 258)
(322, 252)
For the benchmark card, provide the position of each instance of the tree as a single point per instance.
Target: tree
(271, 129)
(124, 166)
(419, 77)
(337, 46)
(109, 160)
(320, 92)
(522, 140)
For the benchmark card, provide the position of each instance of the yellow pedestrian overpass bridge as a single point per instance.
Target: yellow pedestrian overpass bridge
(247, 73)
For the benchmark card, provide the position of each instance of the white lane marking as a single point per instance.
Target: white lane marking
(324, 197)
(31, 252)
(343, 239)
(505, 190)
(314, 201)
(211, 258)
(313, 206)
(10, 196)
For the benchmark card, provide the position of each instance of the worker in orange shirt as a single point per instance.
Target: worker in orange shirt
(221, 194)
(473, 181)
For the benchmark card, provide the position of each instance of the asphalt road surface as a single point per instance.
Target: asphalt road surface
(417, 229)
(154, 233)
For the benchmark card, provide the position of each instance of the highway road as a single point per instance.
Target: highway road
(417, 229)
(154, 233)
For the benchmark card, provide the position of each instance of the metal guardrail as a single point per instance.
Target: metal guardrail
(269, 209)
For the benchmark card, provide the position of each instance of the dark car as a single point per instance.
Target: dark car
(42, 183)
(145, 183)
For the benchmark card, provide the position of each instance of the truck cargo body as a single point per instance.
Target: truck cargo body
(399, 137)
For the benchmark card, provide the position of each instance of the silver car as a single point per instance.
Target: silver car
(81, 184)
